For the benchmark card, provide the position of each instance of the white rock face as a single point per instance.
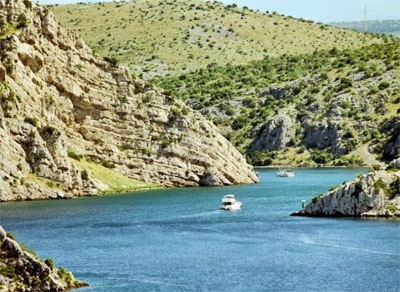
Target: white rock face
(56, 98)
(373, 194)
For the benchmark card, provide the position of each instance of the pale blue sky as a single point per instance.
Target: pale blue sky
(317, 10)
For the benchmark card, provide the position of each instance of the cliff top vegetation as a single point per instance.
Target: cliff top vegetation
(156, 38)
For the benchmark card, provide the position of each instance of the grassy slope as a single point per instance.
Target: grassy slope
(156, 37)
(109, 181)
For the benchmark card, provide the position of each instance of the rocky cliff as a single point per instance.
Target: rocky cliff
(22, 271)
(59, 104)
(376, 194)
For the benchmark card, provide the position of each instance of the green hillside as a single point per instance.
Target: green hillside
(155, 38)
(340, 107)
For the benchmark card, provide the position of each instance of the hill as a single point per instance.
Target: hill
(156, 38)
(73, 125)
(390, 27)
(330, 107)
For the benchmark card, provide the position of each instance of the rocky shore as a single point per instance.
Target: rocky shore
(21, 271)
(375, 194)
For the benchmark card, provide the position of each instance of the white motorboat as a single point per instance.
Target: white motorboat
(285, 173)
(229, 203)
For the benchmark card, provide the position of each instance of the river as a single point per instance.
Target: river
(178, 240)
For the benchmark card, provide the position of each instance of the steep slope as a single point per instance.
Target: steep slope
(61, 107)
(330, 107)
(155, 38)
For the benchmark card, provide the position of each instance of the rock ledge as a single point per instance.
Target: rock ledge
(376, 194)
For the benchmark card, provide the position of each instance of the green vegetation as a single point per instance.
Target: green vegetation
(22, 21)
(244, 97)
(65, 275)
(241, 68)
(380, 185)
(9, 272)
(75, 156)
(315, 199)
(155, 38)
(33, 121)
(50, 263)
(109, 181)
(394, 189)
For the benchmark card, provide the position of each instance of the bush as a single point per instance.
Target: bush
(32, 121)
(65, 275)
(383, 85)
(315, 199)
(394, 189)
(85, 174)
(112, 60)
(321, 157)
(75, 156)
(22, 21)
(50, 263)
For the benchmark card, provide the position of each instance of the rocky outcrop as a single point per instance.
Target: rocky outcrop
(276, 134)
(22, 271)
(58, 103)
(324, 134)
(391, 149)
(376, 194)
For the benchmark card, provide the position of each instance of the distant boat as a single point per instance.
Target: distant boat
(229, 203)
(285, 173)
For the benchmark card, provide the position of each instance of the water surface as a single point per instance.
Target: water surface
(178, 240)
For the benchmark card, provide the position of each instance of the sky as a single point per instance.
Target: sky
(325, 11)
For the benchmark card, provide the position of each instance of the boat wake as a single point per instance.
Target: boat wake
(308, 240)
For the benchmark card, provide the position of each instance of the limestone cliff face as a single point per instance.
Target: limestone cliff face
(58, 102)
(376, 194)
(22, 271)
(276, 134)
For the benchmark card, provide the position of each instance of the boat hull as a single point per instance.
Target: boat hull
(285, 173)
(233, 207)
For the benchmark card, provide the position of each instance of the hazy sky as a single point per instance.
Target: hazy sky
(317, 10)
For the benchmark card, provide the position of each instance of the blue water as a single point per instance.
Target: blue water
(178, 240)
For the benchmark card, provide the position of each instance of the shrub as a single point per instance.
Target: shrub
(383, 85)
(85, 174)
(9, 272)
(50, 263)
(391, 208)
(32, 121)
(75, 156)
(333, 188)
(315, 199)
(112, 60)
(394, 189)
(22, 21)
(379, 185)
(107, 164)
(65, 275)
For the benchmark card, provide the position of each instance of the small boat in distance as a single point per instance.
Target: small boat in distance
(229, 203)
(285, 173)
